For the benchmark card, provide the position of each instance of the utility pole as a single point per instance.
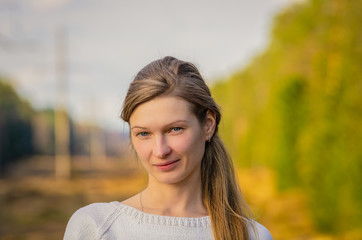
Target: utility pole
(61, 118)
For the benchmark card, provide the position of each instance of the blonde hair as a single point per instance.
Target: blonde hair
(220, 190)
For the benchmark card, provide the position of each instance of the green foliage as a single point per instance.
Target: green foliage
(298, 108)
(15, 126)
(292, 115)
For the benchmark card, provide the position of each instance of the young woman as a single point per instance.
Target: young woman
(192, 191)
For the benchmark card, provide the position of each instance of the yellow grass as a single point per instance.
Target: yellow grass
(38, 207)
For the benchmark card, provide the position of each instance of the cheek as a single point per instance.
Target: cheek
(142, 150)
(190, 145)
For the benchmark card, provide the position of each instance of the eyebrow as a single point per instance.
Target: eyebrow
(169, 124)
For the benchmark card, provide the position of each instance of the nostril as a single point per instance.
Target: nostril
(162, 151)
(161, 148)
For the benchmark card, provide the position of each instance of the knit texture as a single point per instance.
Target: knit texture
(111, 221)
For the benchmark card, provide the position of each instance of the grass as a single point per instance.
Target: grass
(38, 207)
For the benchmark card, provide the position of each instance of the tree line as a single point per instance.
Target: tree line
(297, 108)
(25, 131)
(15, 126)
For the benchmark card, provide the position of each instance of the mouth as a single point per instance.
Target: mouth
(167, 165)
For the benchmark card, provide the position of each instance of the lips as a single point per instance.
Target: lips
(168, 165)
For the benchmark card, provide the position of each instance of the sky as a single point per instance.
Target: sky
(107, 42)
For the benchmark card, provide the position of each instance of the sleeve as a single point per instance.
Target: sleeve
(82, 225)
(261, 233)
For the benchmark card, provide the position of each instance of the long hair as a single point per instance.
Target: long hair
(221, 194)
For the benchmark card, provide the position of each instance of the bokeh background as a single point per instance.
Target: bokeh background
(287, 75)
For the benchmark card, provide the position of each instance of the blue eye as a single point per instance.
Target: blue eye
(143, 134)
(176, 129)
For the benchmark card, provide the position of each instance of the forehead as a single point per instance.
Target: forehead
(161, 111)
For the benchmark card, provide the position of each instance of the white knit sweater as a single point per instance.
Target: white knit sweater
(111, 221)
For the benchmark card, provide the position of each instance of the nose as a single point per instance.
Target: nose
(161, 149)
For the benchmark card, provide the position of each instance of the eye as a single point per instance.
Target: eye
(176, 129)
(142, 134)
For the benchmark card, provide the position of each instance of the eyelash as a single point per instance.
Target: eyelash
(141, 134)
(174, 129)
(178, 129)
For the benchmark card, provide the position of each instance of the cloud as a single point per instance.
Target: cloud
(47, 5)
(108, 43)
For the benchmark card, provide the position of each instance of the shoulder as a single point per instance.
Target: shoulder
(88, 222)
(259, 232)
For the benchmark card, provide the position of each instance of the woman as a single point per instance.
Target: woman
(192, 191)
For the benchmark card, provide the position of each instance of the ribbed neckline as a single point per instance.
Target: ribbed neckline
(142, 217)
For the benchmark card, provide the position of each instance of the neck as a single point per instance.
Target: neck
(181, 199)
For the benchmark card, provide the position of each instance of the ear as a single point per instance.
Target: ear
(210, 125)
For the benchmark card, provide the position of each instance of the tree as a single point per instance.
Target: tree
(15, 127)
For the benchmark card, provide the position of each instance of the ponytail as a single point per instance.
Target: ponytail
(221, 193)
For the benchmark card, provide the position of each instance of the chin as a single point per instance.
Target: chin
(168, 178)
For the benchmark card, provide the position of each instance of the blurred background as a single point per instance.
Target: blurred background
(287, 75)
